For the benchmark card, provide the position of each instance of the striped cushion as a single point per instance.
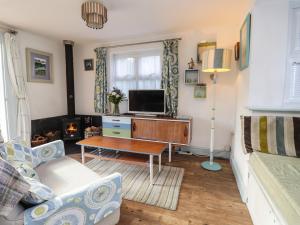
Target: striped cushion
(270, 134)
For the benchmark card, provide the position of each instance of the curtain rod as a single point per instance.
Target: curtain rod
(8, 29)
(139, 43)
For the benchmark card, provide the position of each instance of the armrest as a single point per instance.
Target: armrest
(87, 205)
(47, 152)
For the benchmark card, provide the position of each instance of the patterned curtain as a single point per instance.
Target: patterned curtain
(100, 100)
(170, 75)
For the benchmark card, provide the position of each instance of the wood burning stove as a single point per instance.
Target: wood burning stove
(71, 128)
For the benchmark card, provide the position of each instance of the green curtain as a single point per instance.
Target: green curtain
(100, 100)
(170, 75)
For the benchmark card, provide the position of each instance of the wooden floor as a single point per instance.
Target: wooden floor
(206, 198)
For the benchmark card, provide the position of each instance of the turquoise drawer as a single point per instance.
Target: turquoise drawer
(114, 132)
(116, 125)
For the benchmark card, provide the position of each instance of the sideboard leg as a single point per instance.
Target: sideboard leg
(82, 154)
(170, 152)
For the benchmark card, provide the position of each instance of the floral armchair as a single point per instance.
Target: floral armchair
(82, 197)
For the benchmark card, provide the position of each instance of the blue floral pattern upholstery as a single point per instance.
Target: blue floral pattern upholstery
(47, 152)
(86, 206)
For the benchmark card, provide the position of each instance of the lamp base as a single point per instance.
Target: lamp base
(211, 166)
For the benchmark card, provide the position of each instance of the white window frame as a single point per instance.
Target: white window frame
(135, 52)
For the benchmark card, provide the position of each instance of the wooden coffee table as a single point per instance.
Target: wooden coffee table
(124, 145)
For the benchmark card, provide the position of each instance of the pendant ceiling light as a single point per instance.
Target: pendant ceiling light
(94, 14)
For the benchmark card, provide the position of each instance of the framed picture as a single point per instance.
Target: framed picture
(237, 51)
(202, 47)
(200, 91)
(245, 43)
(39, 66)
(88, 64)
(191, 76)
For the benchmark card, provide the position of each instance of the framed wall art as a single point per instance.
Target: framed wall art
(39, 66)
(202, 47)
(245, 43)
(191, 76)
(200, 91)
(88, 64)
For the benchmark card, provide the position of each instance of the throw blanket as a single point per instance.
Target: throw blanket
(12, 187)
(270, 134)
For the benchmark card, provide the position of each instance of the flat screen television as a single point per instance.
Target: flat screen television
(147, 101)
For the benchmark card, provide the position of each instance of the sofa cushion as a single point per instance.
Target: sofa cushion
(65, 174)
(15, 217)
(38, 192)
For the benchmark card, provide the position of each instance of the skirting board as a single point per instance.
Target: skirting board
(239, 180)
(203, 151)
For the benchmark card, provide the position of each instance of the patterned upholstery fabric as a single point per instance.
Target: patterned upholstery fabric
(19, 156)
(86, 206)
(47, 152)
(38, 192)
(12, 187)
(270, 134)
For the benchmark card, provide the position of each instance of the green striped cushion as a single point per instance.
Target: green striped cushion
(271, 134)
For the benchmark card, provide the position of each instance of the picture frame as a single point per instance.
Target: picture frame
(191, 76)
(39, 66)
(200, 91)
(245, 43)
(204, 46)
(88, 64)
(237, 51)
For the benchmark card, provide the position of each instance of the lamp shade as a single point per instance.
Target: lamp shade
(216, 60)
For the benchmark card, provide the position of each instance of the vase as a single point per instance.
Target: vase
(115, 109)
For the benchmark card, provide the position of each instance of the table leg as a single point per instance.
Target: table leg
(82, 155)
(151, 169)
(159, 163)
(170, 152)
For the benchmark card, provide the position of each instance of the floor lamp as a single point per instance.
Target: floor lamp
(214, 61)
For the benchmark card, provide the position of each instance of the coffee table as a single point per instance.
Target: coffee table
(124, 145)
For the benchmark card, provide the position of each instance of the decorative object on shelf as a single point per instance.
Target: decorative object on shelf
(200, 91)
(202, 47)
(215, 61)
(245, 43)
(94, 14)
(88, 64)
(115, 97)
(191, 76)
(39, 66)
(237, 51)
(191, 64)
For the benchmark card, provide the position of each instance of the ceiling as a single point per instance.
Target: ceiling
(61, 19)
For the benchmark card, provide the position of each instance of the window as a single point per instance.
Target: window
(138, 70)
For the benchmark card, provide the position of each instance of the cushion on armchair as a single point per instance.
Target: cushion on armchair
(38, 192)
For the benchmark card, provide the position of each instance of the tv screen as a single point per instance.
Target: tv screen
(147, 101)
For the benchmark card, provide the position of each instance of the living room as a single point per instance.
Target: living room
(149, 112)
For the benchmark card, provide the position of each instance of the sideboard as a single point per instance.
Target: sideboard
(174, 131)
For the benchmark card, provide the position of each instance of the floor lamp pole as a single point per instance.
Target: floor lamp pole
(211, 165)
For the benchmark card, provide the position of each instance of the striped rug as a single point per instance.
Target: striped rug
(136, 185)
(272, 134)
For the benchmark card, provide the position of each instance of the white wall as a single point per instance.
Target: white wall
(246, 93)
(46, 100)
(188, 105)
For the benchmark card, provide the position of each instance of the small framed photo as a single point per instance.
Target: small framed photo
(88, 64)
(245, 43)
(39, 66)
(202, 47)
(191, 76)
(200, 91)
